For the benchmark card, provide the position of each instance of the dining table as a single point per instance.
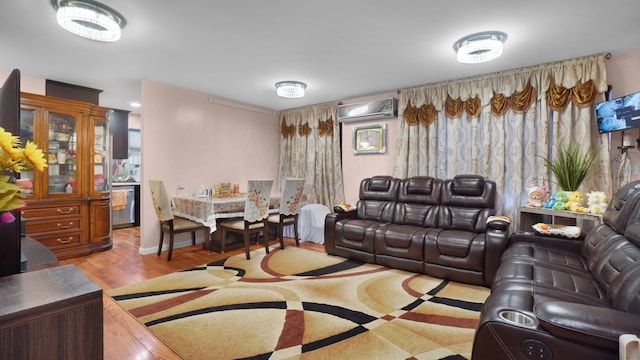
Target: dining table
(209, 210)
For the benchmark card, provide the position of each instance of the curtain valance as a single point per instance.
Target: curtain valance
(306, 119)
(576, 80)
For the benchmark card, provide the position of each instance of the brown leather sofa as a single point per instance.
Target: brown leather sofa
(424, 225)
(560, 299)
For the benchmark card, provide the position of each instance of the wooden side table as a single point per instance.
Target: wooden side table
(528, 216)
(54, 313)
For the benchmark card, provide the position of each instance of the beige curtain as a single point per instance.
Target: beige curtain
(310, 149)
(501, 125)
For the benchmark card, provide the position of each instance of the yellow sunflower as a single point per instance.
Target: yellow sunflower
(33, 156)
(13, 158)
(10, 144)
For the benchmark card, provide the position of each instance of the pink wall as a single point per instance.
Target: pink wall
(187, 140)
(27, 83)
(623, 74)
(357, 167)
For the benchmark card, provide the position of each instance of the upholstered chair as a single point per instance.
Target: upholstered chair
(289, 209)
(256, 212)
(169, 223)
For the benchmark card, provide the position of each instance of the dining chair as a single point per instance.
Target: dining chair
(170, 223)
(289, 209)
(256, 211)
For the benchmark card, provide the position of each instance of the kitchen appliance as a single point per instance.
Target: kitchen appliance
(124, 203)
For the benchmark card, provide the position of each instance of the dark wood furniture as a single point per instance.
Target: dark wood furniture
(119, 127)
(54, 313)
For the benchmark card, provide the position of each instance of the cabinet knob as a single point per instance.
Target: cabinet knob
(65, 226)
(60, 241)
(65, 212)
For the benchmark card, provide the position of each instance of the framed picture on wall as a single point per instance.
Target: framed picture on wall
(370, 139)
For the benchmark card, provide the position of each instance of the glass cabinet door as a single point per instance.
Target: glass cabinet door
(62, 143)
(27, 127)
(100, 156)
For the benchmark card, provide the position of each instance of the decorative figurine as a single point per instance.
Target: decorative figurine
(559, 200)
(576, 201)
(536, 196)
(596, 202)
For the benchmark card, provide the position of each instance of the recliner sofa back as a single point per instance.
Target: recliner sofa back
(423, 224)
(418, 202)
(467, 203)
(377, 198)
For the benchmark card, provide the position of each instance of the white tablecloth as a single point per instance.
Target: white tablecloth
(207, 210)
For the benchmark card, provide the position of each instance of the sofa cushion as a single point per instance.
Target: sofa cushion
(467, 185)
(464, 205)
(418, 202)
(455, 248)
(378, 196)
(356, 234)
(401, 241)
(463, 218)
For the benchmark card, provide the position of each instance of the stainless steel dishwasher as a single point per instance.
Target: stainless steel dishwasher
(123, 205)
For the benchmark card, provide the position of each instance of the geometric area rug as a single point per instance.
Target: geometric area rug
(301, 304)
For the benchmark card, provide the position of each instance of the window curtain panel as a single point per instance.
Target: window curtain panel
(502, 125)
(310, 149)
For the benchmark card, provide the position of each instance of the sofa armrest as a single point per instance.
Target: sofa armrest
(591, 325)
(329, 228)
(573, 245)
(498, 222)
(496, 241)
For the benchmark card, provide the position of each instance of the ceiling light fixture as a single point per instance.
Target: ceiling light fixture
(89, 19)
(290, 89)
(480, 47)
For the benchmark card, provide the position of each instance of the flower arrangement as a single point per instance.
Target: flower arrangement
(14, 158)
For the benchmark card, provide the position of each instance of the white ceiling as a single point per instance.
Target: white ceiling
(238, 49)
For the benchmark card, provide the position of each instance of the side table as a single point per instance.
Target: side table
(528, 216)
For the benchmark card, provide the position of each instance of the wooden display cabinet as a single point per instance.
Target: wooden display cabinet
(67, 205)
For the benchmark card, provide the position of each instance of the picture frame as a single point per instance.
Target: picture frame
(370, 139)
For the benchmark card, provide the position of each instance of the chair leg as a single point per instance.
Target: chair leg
(265, 232)
(207, 237)
(161, 240)
(170, 247)
(246, 245)
(281, 234)
(295, 232)
(193, 237)
(223, 239)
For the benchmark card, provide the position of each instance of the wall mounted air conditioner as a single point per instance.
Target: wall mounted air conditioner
(369, 110)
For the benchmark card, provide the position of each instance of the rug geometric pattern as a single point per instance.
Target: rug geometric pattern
(301, 304)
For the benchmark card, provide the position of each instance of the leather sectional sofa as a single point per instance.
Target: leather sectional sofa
(564, 299)
(424, 225)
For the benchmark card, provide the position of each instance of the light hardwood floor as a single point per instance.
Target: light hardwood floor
(124, 336)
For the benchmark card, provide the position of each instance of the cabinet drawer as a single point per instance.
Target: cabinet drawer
(60, 240)
(60, 224)
(51, 211)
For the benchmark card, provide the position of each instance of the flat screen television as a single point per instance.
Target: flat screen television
(10, 237)
(619, 114)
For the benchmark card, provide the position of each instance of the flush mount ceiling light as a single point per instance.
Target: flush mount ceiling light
(290, 89)
(480, 47)
(89, 19)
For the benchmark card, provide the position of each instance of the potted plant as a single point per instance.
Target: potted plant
(571, 165)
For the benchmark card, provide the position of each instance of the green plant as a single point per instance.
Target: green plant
(571, 165)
